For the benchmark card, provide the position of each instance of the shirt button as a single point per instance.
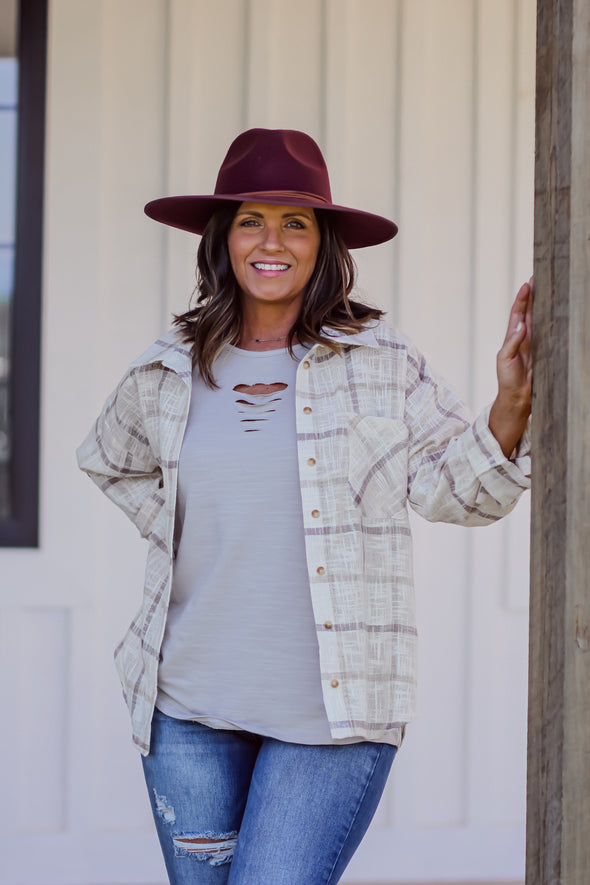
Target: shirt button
(328, 625)
(321, 570)
(306, 364)
(315, 513)
(307, 410)
(334, 683)
(311, 462)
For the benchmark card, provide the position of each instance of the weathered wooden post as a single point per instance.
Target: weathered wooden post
(558, 818)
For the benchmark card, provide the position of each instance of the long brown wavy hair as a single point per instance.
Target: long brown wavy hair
(216, 319)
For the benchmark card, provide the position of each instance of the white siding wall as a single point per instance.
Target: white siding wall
(425, 111)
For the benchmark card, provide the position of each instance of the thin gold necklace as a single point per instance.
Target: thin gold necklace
(264, 340)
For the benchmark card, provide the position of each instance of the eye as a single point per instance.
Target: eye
(249, 222)
(297, 225)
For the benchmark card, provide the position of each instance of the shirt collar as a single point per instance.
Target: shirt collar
(170, 351)
(366, 336)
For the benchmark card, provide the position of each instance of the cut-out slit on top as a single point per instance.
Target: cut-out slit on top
(260, 389)
(258, 406)
(245, 402)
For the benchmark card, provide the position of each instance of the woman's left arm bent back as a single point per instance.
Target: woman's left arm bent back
(117, 456)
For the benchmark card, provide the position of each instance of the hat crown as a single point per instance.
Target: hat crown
(268, 160)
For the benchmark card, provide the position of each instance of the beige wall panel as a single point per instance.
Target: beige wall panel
(524, 145)
(41, 669)
(438, 763)
(206, 88)
(361, 126)
(436, 181)
(9, 702)
(285, 65)
(133, 53)
(494, 183)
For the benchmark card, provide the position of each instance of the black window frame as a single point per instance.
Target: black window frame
(21, 527)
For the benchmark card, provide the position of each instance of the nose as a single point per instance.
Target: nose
(272, 238)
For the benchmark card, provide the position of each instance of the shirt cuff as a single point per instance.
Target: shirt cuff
(487, 455)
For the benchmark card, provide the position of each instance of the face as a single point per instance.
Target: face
(273, 251)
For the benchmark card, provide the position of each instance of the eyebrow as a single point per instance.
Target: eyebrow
(303, 214)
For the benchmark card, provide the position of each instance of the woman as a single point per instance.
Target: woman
(267, 448)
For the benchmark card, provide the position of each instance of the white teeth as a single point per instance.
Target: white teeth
(259, 266)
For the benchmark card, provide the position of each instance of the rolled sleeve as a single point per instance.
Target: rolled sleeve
(486, 457)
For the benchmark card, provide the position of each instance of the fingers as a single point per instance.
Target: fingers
(529, 311)
(517, 343)
(521, 312)
(514, 339)
(523, 298)
(514, 361)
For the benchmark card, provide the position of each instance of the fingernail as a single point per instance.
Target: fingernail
(518, 328)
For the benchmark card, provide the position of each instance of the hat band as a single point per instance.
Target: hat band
(298, 195)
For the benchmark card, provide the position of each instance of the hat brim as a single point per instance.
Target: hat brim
(192, 213)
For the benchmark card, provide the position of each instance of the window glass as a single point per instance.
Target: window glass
(23, 48)
(8, 143)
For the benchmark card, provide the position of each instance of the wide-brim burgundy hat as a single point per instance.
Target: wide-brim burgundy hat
(279, 166)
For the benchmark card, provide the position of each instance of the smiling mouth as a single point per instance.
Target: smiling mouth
(259, 265)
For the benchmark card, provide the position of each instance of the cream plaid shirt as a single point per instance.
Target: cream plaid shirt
(376, 430)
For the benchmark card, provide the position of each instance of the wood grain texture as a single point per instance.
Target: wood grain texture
(558, 849)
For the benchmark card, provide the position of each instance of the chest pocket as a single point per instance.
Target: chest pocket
(378, 464)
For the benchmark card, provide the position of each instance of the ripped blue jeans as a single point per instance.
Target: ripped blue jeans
(233, 807)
